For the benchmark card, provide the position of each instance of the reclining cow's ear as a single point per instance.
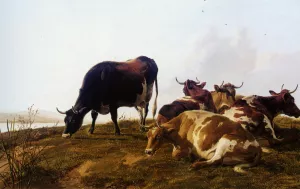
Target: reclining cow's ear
(217, 88)
(202, 85)
(168, 130)
(273, 93)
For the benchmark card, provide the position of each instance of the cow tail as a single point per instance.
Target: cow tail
(155, 101)
(239, 168)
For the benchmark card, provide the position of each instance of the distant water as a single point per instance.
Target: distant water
(3, 126)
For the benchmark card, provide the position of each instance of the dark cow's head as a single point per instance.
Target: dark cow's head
(192, 88)
(286, 102)
(227, 88)
(156, 136)
(73, 120)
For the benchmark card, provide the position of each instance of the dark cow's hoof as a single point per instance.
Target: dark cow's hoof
(117, 133)
(91, 132)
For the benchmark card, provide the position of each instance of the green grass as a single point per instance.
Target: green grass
(103, 160)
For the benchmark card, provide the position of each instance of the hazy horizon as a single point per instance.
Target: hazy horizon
(48, 46)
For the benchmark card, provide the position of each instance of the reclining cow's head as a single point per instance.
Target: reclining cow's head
(73, 120)
(286, 102)
(156, 137)
(227, 88)
(192, 88)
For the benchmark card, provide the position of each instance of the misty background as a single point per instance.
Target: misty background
(46, 47)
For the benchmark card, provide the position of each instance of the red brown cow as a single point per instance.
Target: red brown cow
(209, 136)
(196, 98)
(256, 113)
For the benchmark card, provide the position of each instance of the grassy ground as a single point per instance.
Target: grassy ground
(103, 160)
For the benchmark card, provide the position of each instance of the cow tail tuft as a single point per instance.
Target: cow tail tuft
(155, 101)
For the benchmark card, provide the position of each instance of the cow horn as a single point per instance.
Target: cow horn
(61, 111)
(181, 83)
(239, 86)
(282, 86)
(197, 80)
(222, 84)
(74, 111)
(294, 90)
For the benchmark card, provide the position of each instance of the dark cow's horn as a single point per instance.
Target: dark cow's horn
(61, 111)
(294, 90)
(181, 83)
(239, 86)
(197, 80)
(222, 84)
(74, 111)
(282, 86)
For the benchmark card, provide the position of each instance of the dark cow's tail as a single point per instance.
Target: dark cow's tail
(155, 101)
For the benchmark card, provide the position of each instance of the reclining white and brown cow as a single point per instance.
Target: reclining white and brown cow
(256, 113)
(209, 136)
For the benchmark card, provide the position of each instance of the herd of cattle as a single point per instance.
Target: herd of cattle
(218, 127)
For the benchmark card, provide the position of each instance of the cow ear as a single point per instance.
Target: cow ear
(202, 85)
(169, 130)
(273, 93)
(217, 88)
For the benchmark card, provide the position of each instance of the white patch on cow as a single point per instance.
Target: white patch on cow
(247, 143)
(149, 92)
(220, 124)
(141, 99)
(250, 100)
(223, 146)
(232, 111)
(270, 126)
(188, 99)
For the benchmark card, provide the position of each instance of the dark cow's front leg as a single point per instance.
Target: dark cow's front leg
(114, 118)
(94, 117)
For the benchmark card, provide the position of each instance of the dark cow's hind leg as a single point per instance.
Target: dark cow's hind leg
(114, 118)
(94, 116)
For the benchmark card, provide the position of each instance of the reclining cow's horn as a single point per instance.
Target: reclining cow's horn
(197, 80)
(282, 87)
(61, 111)
(222, 84)
(74, 111)
(239, 86)
(294, 90)
(181, 83)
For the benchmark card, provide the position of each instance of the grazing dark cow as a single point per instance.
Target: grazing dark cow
(110, 85)
(209, 136)
(224, 96)
(256, 113)
(196, 98)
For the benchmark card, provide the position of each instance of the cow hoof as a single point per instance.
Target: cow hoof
(91, 132)
(68, 135)
(117, 133)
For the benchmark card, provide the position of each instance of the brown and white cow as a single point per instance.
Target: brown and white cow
(224, 96)
(209, 136)
(256, 113)
(196, 98)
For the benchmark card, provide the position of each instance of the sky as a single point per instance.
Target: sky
(46, 47)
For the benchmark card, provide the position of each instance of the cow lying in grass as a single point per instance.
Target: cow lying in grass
(209, 136)
(256, 113)
(196, 98)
